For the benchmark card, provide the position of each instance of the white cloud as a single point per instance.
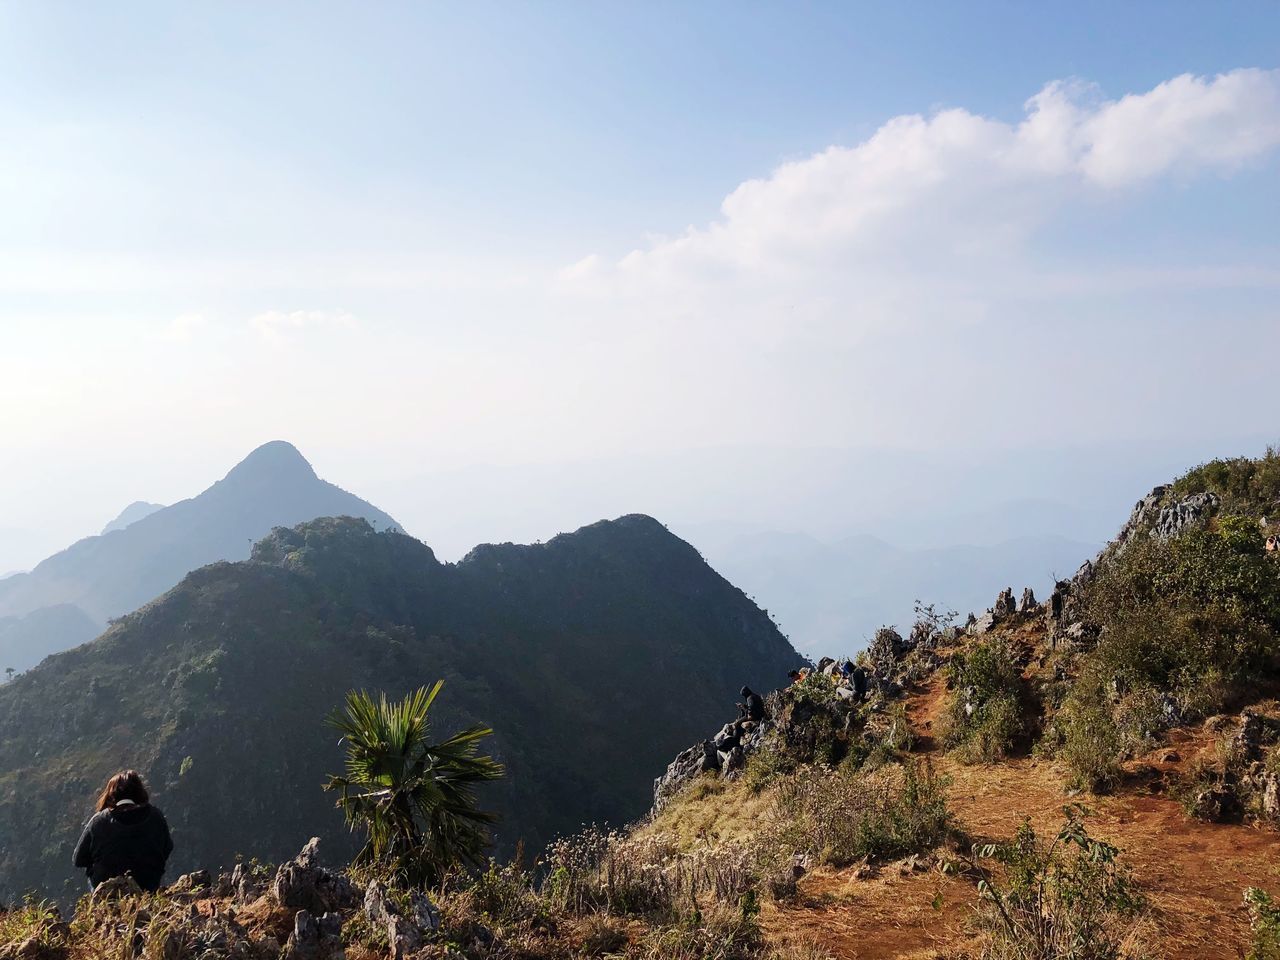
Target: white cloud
(278, 326)
(950, 193)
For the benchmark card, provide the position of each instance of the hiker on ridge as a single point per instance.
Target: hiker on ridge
(752, 706)
(126, 835)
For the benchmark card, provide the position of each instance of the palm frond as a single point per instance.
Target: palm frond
(414, 799)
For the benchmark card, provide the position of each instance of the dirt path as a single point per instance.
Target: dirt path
(1193, 873)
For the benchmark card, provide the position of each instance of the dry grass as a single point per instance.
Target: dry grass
(710, 811)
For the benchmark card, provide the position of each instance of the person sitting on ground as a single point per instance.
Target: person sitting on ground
(126, 835)
(752, 706)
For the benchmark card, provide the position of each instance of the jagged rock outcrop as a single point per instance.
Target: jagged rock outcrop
(303, 884)
(1151, 516)
(887, 646)
(316, 938)
(1028, 603)
(408, 926)
(1175, 517)
(1004, 608)
(726, 754)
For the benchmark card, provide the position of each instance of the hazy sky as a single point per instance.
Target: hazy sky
(427, 238)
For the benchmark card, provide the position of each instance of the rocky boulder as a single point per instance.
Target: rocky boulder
(1175, 517)
(303, 884)
(1027, 605)
(1004, 605)
(315, 938)
(408, 925)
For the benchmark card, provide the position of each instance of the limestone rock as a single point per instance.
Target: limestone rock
(1271, 796)
(1005, 606)
(983, 624)
(303, 884)
(407, 928)
(1248, 740)
(189, 883)
(315, 938)
(887, 647)
(115, 888)
(1176, 516)
(247, 886)
(1028, 602)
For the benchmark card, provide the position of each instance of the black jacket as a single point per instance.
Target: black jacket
(129, 839)
(755, 706)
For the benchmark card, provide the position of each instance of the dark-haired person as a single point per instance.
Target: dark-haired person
(126, 835)
(752, 706)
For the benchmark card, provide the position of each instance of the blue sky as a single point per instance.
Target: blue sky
(418, 237)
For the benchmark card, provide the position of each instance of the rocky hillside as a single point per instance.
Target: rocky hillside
(595, 656)
(912, 811)
(146, 551)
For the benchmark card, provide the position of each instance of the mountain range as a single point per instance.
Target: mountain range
(594, 657)
(68, 598)
(830, 596)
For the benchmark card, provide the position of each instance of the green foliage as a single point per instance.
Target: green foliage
(36, 921)
(986, 709)
(414, 799)
(1245, 485)
(1187, 624)
(1070, 899)
(1177, 610)
(766, 765)
(1092, 745)
(1242, 534)
(898, 737)
(816, 690)
(1264, 925)
(841, 816)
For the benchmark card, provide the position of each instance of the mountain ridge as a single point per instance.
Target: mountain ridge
(109, 574)
(618, 638)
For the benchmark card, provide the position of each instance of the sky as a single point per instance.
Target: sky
(503, 268)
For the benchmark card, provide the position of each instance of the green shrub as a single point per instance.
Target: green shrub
(1070, 899)
(816, 690)
(36, 921)
(840, 817)
(1264, 925)
(766, 765)
(899, 738)
(1179, 610)
(985, 713)
(1091, 742)
(1245, 485)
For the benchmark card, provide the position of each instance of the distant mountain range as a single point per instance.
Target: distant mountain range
(830, 596)
(594, 656)
(149, 548)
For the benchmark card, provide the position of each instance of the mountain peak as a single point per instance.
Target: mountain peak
(275, 461)
(132, 514)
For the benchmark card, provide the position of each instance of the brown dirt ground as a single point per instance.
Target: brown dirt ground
(1194, 874)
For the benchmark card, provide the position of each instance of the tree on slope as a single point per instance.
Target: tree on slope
(414, 798)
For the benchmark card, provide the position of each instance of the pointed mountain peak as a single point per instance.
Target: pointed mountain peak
(277, 461)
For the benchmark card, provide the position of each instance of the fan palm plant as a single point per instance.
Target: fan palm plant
(415, 799)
